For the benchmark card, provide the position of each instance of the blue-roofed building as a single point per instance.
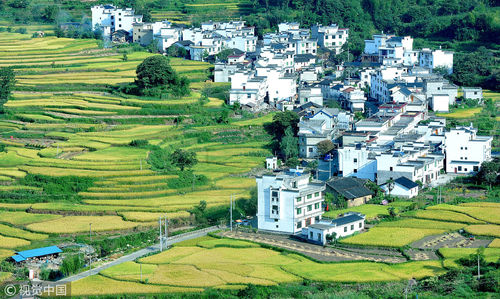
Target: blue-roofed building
(346, 225)
(36, 253)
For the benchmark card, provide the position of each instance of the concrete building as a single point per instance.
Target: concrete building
(344, 226)
(289, 201)
(465, 150)
(402, 187)
(331, 37)
(474, 93)
(109, 18)
(432, 59)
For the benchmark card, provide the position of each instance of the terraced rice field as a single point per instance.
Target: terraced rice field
(216, 263)
(391, 236)
(490, 254)
(486, 213)
(370, 210)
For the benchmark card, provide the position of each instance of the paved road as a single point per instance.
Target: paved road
(142, 252)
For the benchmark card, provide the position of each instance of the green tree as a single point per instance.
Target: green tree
(489, 174)
(155, 72)
(7, 82)
(289, 144)
(281, 121)
(183, 159)
(325, 146)
(159, 159)
(49, 13)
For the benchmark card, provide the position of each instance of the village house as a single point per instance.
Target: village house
(331, 37)
(473, 93)
(109, 18)
(465, 150)
(352, 189)
(343, 226)
(402, 187)
(288, 201)
(432, 59)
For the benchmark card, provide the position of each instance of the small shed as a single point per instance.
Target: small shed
(22, 256)
(474, 93)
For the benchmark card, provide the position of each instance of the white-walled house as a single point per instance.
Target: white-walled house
(437, 58)
(110, 18)
(288, 202)
(402, 187)
(474, 93)
(439, 103)
(344, 226)
(331, 37)
(271, 163)
(465, 151)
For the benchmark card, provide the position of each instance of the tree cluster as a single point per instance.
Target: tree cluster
(283, 129)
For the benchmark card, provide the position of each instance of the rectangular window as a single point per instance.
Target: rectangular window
(299, 199)
(355, 170)
(275, 193)
(355, 160)
(299, 211)
(309, 196)
(316, 206)
(360, 224)
(352, 226)
(309, 208)
(299, 224)
(345, 229)
(316, 194)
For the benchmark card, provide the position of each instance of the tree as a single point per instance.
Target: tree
(281, 121)
(183, 159)
(155, 72)
(7, 82)
(159, 159)
(392, 212)
(325, 146)
(49, 13)
(332, 238)
(390, 185)
(289, 144)
(489, 174)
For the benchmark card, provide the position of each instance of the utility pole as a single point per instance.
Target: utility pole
(194, 179)
(478, 267)
(141, 270)
(166, 232)
(141, 164)
(161, 245)
(90, 232)
(231, 213)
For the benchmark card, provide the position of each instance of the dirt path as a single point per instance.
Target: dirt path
(315, 251)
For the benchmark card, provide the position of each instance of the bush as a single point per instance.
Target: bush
(186, 179)
(139, 143)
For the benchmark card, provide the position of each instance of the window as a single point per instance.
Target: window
(299, 199)
(465, 169)
(461, 147)
(309, 208)
(299, 224)
(459, 168)
(355, 170)
(475, 168)
(352, 226)
(355, 160)
(316, 194)
(310, 235)
(319, 236)
(299, 211)
(345, 229)
(309, 196)
(275, 193)
(390, 168)
(119, 19)
(360, 225)
(310, 149)
(120, 25)
(316, 206)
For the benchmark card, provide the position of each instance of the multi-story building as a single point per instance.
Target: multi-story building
(437, 58)
(289, 201)
(109, 19)
(465, 150)
(331, 37)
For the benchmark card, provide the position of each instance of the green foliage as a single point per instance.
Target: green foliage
(489, 174)
(248, 206)
(155, 75)
(7, 82)
(139, 143)
(187, 179)
(183, 159)
(71, 264)
(59, 188)
(159, 159)
(474, 68)
(289, 145)
(176, 51)
(325, 146)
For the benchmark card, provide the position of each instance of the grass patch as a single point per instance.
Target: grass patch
(391, 236)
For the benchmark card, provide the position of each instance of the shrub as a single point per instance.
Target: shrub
(139, 143)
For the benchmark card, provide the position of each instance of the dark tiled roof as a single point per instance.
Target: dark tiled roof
(350, 188)
(303, 57)
(404, 181)
(347, 219)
